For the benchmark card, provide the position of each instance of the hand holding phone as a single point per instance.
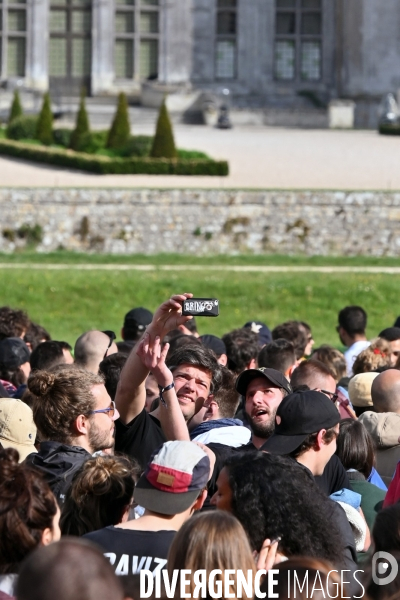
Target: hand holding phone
(200, 307)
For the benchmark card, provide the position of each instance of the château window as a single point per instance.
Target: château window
(70, 45)
(225, 67)
(12, 38)
(136, 39)
(298, 40)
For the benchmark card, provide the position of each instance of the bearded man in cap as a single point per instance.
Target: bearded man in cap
(264, 390)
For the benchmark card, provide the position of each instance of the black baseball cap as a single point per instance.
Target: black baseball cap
(138, 318)
(261, 329)
(214, 343)
(299, 415)
(13, 353)
(274, 376)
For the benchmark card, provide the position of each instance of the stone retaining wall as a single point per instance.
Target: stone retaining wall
(201, 221)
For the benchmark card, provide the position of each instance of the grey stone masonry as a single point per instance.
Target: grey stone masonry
(201, 221)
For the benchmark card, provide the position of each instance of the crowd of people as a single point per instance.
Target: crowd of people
(173, 452)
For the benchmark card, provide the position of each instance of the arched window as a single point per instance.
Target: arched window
(298, 40)
(225, 67)
(136, 39)
(12, 38)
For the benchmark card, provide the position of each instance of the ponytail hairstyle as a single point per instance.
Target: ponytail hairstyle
(27, 508)
(59, 396)
(100, 494)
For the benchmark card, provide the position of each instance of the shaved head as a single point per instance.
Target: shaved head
(385, 391)
(313, 374)
(91, 348)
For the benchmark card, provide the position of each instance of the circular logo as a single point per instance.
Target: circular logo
(384, 568)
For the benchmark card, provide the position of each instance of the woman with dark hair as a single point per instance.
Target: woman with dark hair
(272, 496)
(355, 449)
(101, 494)
(375, 588)
(386, 531)
(14, 366)
(29, 516)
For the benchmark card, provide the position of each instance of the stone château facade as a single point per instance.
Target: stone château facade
(267, 52)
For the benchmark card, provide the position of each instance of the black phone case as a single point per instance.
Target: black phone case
(201, 307)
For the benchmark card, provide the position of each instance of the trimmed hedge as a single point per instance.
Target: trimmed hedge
(163, 142)
(79, 136)
(44, 129)
(16, 108)
(389, 129)
(22, 128)
(120, 130)
(113, 166)
(62, 136)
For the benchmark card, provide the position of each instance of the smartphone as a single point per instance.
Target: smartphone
(201, 307)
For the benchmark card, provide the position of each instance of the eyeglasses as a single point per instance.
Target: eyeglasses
(331, 395)
(112, 337)
(110, 410)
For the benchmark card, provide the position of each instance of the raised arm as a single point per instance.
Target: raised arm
(131, 393)
(169, 411)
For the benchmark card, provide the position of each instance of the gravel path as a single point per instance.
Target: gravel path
(259, 157)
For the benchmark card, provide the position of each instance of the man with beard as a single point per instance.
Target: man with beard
(75, 417)
(264, 390)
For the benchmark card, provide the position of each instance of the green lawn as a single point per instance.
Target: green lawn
(69, 302)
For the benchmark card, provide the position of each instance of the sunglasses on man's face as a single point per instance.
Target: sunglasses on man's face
(110, 410)
(331, 395)
(112, 337)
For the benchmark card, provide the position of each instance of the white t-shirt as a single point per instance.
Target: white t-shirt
(352, 353)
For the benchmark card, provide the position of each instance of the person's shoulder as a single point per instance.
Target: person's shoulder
(222, 451)
(124, 530)
(142, 419)
(102, 534)
(366, 487)
(334, 463)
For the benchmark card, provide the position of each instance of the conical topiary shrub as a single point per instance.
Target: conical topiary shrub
(82, 127)
(44, 129)
(120, 131)
(163, 143)
(16, 108)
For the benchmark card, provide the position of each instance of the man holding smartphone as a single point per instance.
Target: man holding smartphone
(197, 375)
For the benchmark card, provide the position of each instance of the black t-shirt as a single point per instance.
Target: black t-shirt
(222, 453)
(334, 477)
(129, 551)
(140, 438)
